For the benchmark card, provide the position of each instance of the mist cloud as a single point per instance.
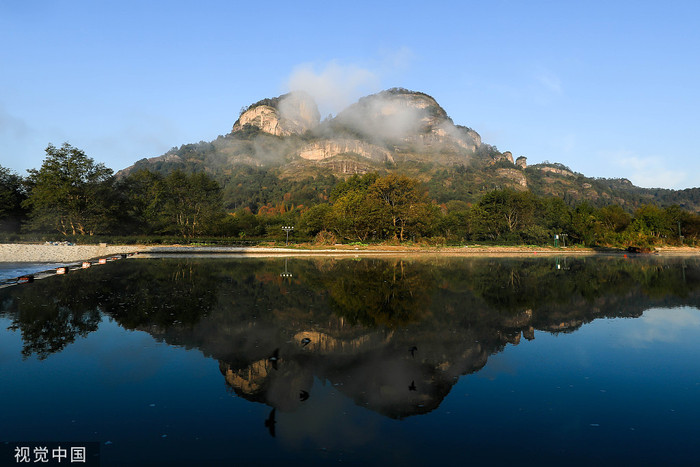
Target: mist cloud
(384, 117)
(333, 86)
(648, 172)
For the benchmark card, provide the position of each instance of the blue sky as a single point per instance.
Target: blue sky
(611, 89)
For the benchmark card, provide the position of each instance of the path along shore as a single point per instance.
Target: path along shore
(38, 253)
(42, 253)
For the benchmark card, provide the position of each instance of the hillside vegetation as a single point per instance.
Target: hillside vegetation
(391, 167)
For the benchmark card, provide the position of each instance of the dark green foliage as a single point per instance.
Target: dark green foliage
(355, 183)
(192, 204)
(270, 102)
(145, 195)
(12, 194)
(316, 219)
(506, 213)
(251, 187)
(185, 204)
(71, 194)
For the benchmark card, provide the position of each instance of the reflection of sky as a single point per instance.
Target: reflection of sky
(556, 396)
(663, 325)
(612, 383)
(12, 270)
(318, 423)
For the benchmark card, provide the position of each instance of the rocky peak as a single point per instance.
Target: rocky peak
(288, 114)
(397, 116)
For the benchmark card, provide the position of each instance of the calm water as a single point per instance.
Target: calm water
(548, 361)
(14, 270)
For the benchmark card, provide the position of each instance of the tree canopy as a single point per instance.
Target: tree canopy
(70, 193)
(12, 194)
(73, 195)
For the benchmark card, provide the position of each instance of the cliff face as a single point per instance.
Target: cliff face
(327, 148)
(289, 114)
(372, 128)
(264, 117)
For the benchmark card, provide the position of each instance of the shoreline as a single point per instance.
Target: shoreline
(43, 253)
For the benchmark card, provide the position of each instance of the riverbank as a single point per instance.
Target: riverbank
(46, 253)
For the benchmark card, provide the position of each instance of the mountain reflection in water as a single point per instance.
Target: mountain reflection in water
(393, 335)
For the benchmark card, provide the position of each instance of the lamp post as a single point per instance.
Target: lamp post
(286, 273)
(287, 229)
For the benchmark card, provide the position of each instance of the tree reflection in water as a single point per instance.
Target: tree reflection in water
(394, 335)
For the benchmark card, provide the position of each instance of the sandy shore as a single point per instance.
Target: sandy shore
(41, 253)
(37, 253)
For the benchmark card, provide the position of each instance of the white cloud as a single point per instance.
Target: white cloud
(663, 325)
(650, 171)
(333, 86)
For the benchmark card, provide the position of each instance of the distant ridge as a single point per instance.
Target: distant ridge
(284, 140)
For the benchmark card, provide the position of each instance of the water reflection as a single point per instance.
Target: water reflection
(391, 335)
(658, 325)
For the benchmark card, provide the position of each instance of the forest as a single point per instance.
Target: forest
(71, 197)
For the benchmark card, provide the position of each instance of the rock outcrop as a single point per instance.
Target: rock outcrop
(328, 148)
(555, 170)
(289, 114)
(521, 162)
(515, 176)
(399, 117)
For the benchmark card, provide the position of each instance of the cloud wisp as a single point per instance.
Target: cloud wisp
(649, 171)
(333, 86)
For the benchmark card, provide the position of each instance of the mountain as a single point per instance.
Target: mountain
(282, 145)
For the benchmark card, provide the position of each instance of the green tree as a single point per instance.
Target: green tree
(614, 218)
(585, 225)
(11, 196)
(357, 183)
(71, 194)
(316, 219)
(145, 193)
(403, 206)
(192, 203)
(652, 221)
(354, 216)
(553, 214)
(501, 212)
